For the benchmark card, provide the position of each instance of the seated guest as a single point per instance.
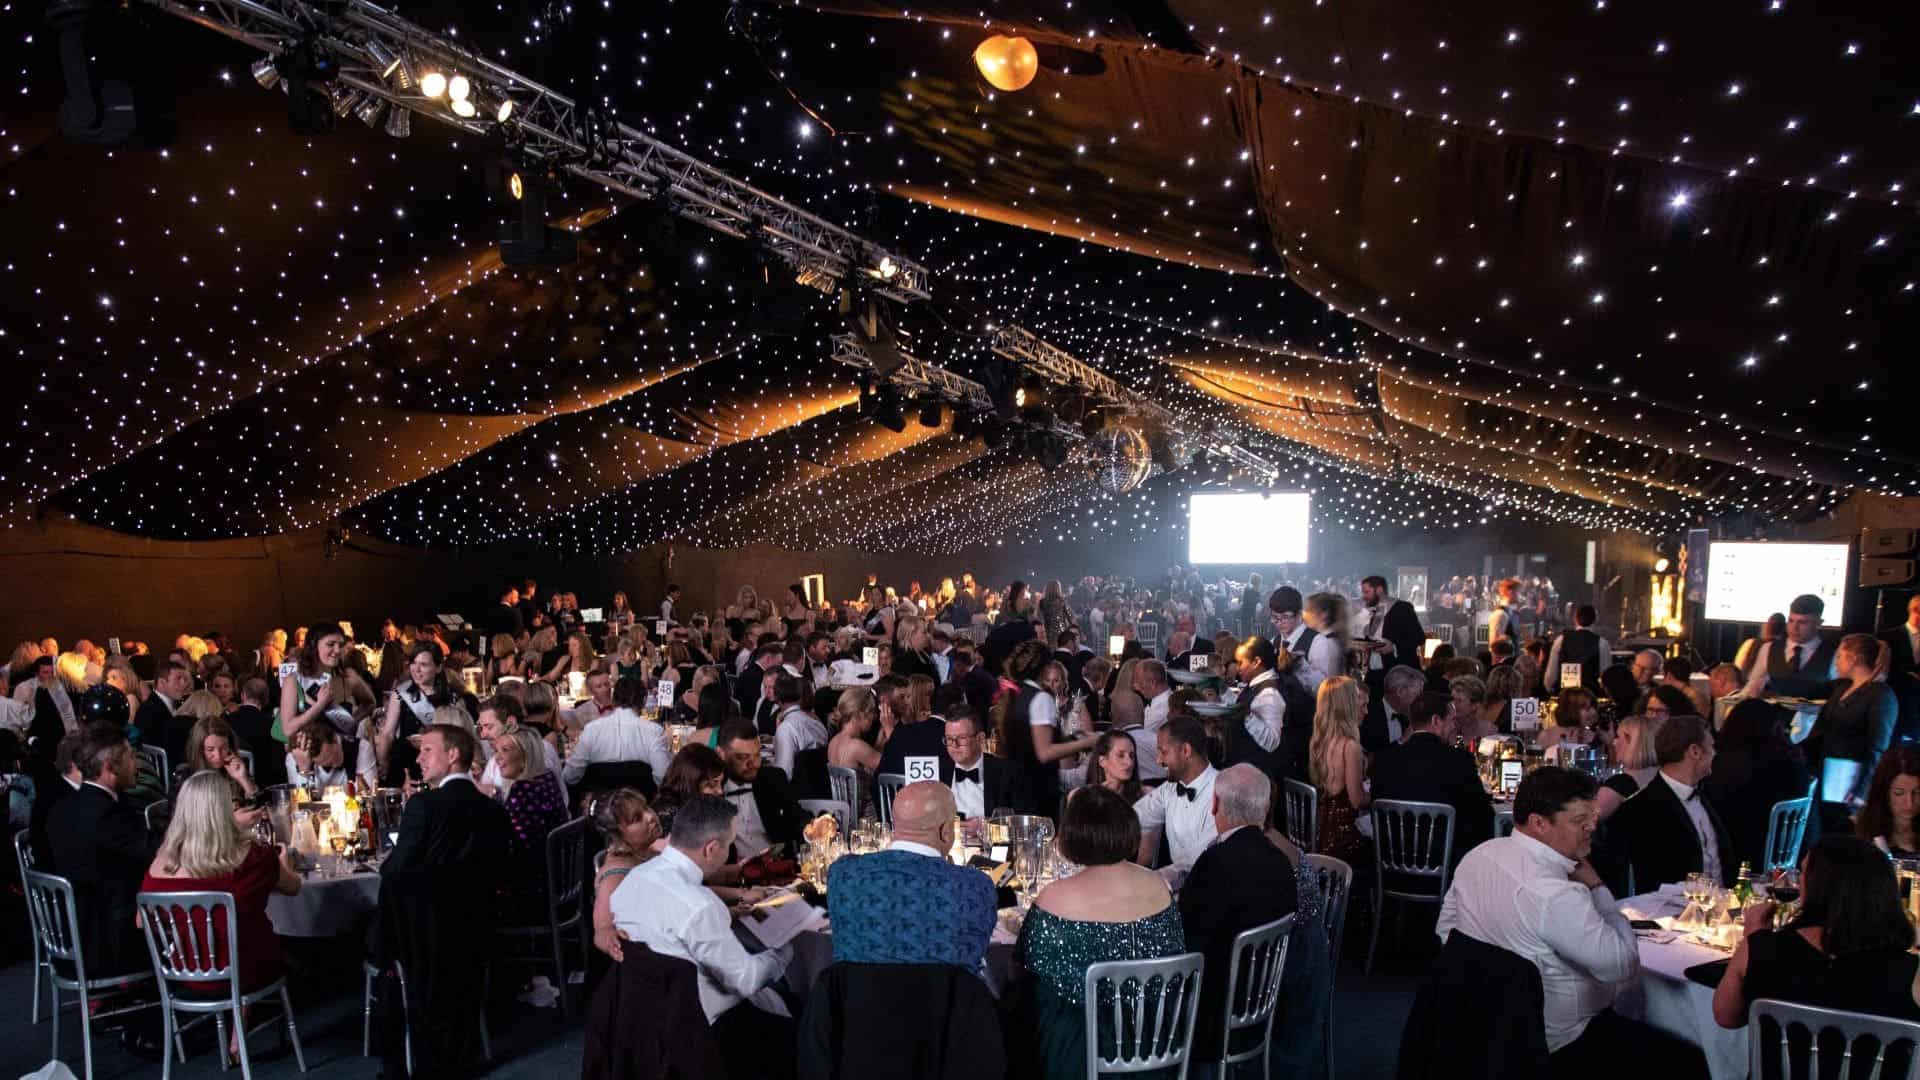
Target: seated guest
(1338, 768)
(979, 782)
(1725, 688)
(153, 723)
(1891, 818)
(1668, 829)
(253, 724)
(663, 905)
(1754, 766)
(1128, 714)
(769, 812)
(620, 735)
(631, 831)
(1534, 894)
(854, 718)
(1636, 755)
(449, 821)
(951, 915)
(907, 733)
(1472, 719)
(211, 745)
(65, 781)
(1241, 881)
(536, 805)
(1181, 808)
(1427, 767)
(1575, 714)
(1389, 710)
(795, 730)
(1677, 672)
(1849, 948)
(599, 700)
(501, 714)
(695, 770)
(1111, 765)
(206, 851)
(1662, 701)
(100, 844)
(319, 756)
(973, 678)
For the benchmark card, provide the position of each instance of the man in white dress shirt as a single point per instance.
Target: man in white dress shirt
(621, 735)
(1182, 807)
(1316, 655)
(599, 700)
(795, 729)
(666, 606)
(664, 905)
(1266, 706)
(1151, 683)
(1535, 895)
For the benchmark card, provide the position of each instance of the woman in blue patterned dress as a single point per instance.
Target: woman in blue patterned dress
(1111, 910)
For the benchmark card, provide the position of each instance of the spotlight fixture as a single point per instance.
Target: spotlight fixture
(346, 100)
(399, 122)
(265, 73)
(433, 84)
(369, 111)
(393, 67)
(463, 108)
(890, 413)
(930, 413)
(505, 111)
(530, 241)
(1660, 565)
(458, 88)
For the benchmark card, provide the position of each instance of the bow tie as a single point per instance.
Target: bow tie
(731, 792)
(1185, 792)
(972, 774)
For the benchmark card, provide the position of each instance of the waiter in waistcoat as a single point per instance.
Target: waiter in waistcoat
(1582, 646)
(1800, 664)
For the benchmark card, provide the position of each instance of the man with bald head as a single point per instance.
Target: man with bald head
(908, 904)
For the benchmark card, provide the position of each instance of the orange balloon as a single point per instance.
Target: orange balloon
(1007, 63)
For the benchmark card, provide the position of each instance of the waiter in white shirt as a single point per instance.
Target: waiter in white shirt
(1151, 683)
(1535, 895)
(664, 905)
(666, 606)
(1266, 706)
(1317, 655)
(1181, 808)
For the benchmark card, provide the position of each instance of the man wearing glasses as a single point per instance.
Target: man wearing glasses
(978, 779)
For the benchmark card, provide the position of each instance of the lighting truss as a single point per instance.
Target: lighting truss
(551, 129)
(916, 375)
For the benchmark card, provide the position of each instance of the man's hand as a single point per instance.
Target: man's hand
(1586, 875)
(607, 939)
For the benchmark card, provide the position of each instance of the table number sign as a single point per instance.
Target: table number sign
(1570, 675)
(923, 768)
(1526, 714)
(870, 656)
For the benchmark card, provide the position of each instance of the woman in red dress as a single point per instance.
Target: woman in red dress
(206, 851)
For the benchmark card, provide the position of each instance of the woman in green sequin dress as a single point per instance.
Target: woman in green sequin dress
(1111, 910)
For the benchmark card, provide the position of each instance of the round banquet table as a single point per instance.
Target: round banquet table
(813, 954)
(325, 906)
(1664, 997)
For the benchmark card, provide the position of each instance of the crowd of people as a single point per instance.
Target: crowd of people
(690, 737)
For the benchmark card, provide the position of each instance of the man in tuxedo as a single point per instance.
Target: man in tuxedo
(1072, 656)
(449, 822)
(1391, 707)
(253, 724)
(769, 812)
(1427, 767)
(978, 780)
(1903, 670)
(67, 780)
(1669, 830)
(749, 686)
(819, 661)
(951, 914)
(1239, 882)
(506, 618)
(973, 679)
(924, 738)
(940, 652)
(1392, 621)
(172, 682)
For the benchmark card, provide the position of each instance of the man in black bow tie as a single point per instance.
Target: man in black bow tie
(1668, 829)
(1182, 807)
(978, 779)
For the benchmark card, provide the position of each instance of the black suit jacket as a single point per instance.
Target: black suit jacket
(155, 721)
(907, 663)
(928, 738)
(1661, 843)
(995, 778)
(779, 808)
(746, 688)
(254, 725)
(48, 794)
(1375, 734)
(100, 844)
(1426, 769)
(453, 823)
(1402, 627)
(1237, 884)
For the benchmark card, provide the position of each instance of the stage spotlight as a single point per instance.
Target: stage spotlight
(265, 73)
(530, 241)
(393, 67)
(345, 100)
(464, 109)
(113, 93)
(890, 413)
(1661, 564)
(399, 122)
(433, 84)
(458, 88)
(369, 111)
(930, 413)
(505, 111)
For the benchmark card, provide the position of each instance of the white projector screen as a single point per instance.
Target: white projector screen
(1247, 528)
(1746, 582)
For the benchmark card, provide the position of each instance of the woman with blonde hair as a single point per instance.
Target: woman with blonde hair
(852, 721)
(206, 851)
(72, 668)
(503, 660)
(630, 829)
(1339, 768)
(536, 805)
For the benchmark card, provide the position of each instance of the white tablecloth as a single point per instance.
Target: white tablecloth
(324, 907)
(1667, 999)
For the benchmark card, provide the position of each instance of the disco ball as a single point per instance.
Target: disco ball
(1121, 458)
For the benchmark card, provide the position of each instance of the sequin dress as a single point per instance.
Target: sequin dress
(1299, 1046)
(1057, 953)
(1338, 831)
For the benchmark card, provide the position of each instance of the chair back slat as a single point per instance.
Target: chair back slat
(1786, 826)
(566, 867)
(1414, 839)
(1336, 885)
(55, 918)
(885, 787)
(1253, 985)
(1148, 1008)
(842, 813)
(23, 852)
(1771, 1023)
(192, 936)
(845, 785)
(1303, 813)
(159, 815)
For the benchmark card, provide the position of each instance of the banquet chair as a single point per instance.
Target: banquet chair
(840, 811)
(371, 973)
(1253, 987)
(56, 929)
(1303, 812)
(159, 815)
(885, 787)
(246, 758)
(1336, 885)
(1412, 840)
(569, 905)
(184, 937)
(1770, 1024)
(1149, 1008)
(157, 760)
(23, 854)
(1502, 824)
(845, 784)
(1786, 827)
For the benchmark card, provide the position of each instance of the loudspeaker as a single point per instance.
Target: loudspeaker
(1881, 573)
(1874, 542)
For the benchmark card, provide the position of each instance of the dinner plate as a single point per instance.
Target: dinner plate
(1209, 708)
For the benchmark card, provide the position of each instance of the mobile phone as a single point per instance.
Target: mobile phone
(113, 645)
(1643, 924)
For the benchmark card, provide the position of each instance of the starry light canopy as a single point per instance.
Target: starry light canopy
(1602, 264)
